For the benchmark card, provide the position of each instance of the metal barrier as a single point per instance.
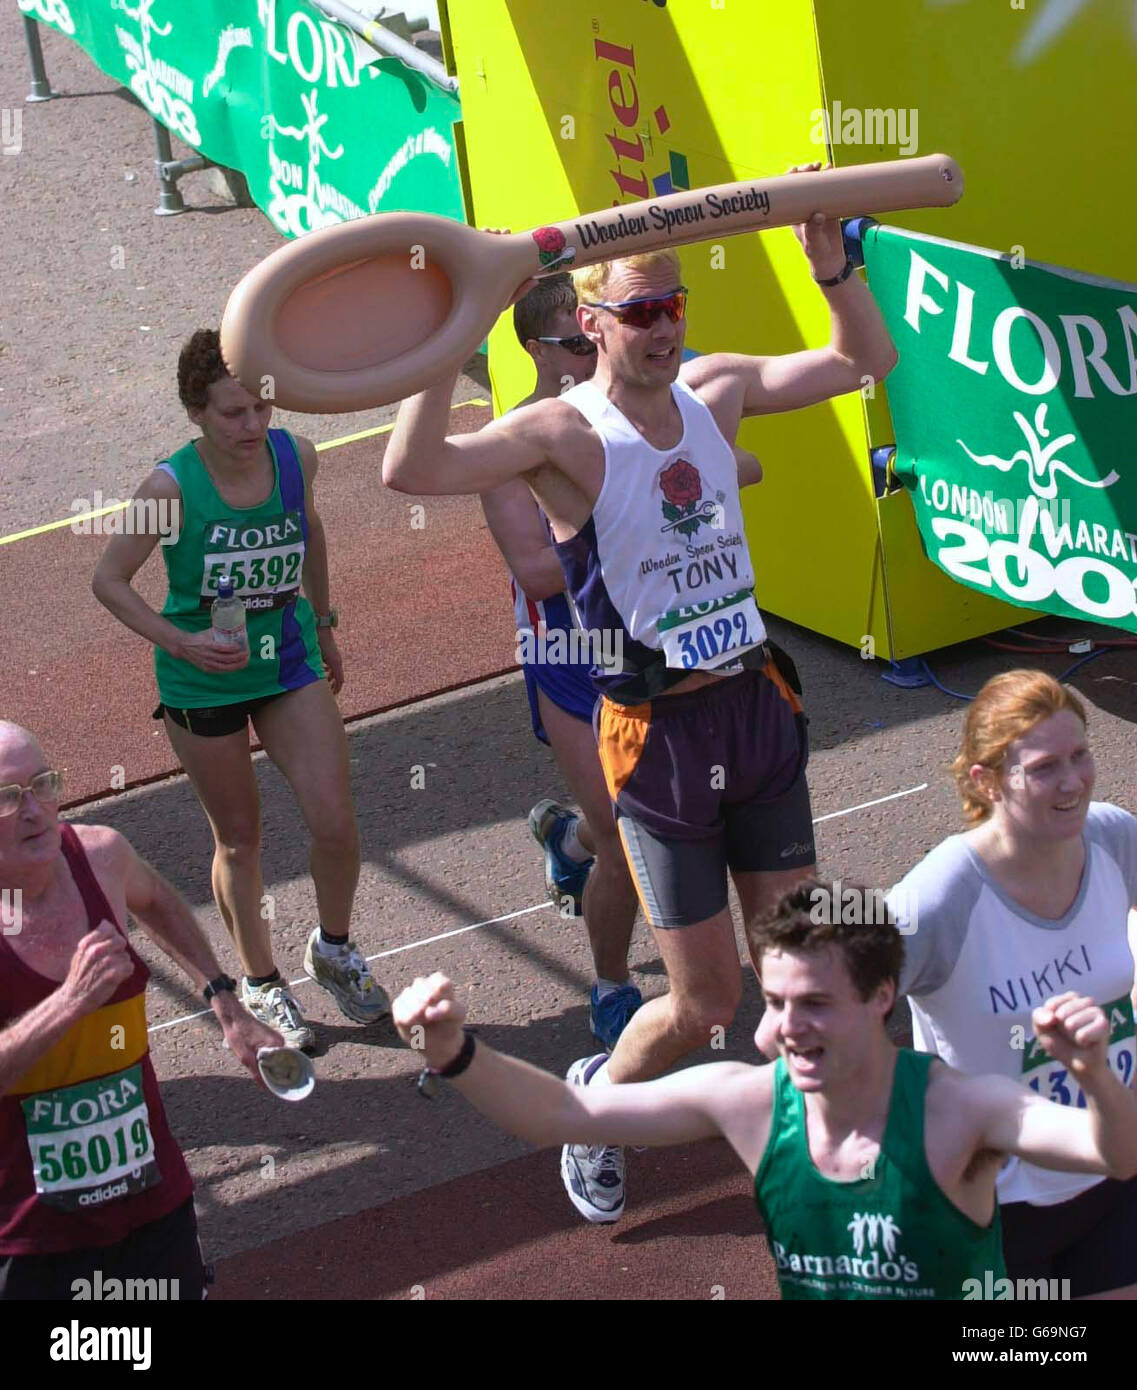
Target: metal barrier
(312, 110)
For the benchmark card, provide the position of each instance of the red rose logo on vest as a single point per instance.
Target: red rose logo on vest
(682, 490)
(552, 249)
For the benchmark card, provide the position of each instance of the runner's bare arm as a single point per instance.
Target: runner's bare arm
(315, 581)
(859, 349)
(421, 459)
(167, 919)
(515, 523)
(1102, 1138)
(1131, 927)
(160, 910)
(315, 573)
(100, 963)
(749, 469)
(542, 1108)
(694, 1104)
(767, 385)
(123, 557)
(33, 1035)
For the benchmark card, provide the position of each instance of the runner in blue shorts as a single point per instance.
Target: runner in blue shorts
(635, 471)
(585, 871)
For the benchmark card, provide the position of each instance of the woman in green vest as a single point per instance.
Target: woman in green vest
(237, 504)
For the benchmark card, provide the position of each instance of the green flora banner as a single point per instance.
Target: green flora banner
(1014, 406)
(323, 126)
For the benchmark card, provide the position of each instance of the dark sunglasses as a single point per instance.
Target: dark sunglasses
(579, 345)
(642, 313)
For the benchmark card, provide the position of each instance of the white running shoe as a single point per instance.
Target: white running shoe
(275, 1005)
(593, 1175)
(346, 977)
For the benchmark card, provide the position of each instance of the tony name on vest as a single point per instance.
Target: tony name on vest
(700, 571)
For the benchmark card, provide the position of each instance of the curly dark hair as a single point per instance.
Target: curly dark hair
(534, 314)
(199, 365)
(809, 918)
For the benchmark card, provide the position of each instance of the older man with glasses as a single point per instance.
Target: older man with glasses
(93, 1186)
(701, 732)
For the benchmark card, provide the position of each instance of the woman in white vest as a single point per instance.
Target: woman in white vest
(1031, 901)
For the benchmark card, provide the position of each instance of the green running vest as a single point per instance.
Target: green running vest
(262, 550)
(893, 1235)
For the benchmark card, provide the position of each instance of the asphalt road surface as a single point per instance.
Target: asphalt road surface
(364, 1190)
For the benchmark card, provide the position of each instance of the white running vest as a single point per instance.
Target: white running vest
(978, 964)
(667, 559)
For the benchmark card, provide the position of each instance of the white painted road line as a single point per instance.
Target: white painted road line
(426, 941)
(865, 804)
(521, 912)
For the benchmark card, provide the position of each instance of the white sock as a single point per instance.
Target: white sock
(570, 843)
(606, 987)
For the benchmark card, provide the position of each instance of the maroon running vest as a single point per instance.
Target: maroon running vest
(86, 1154)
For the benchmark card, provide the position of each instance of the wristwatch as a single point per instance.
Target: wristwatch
(841, 276)
(330, 619)
(427, 1082)
(216, 986)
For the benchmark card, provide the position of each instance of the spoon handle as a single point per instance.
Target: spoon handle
(728, 209)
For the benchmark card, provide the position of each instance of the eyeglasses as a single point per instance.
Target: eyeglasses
(579, 344)
(46, 787)
(642, 313)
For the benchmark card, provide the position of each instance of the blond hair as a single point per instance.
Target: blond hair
(1007, 707)
(590, 281)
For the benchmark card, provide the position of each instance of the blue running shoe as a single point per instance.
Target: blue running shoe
(609, 1016)
(564, 877)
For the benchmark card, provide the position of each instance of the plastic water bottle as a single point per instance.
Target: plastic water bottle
(228, 616)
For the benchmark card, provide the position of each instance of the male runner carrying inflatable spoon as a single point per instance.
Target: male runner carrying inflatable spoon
(584, 858)
(701, 735)
(874, 1166)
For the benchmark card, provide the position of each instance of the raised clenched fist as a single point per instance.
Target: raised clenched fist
(429, 1019)
(100, 964)
(1074, 1031)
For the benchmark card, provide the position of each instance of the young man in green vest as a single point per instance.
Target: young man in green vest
(874, 1166)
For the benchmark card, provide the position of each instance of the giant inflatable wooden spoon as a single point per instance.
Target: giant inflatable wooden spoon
(374, 310)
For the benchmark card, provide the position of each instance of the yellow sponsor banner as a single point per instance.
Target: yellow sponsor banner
(573, 108)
